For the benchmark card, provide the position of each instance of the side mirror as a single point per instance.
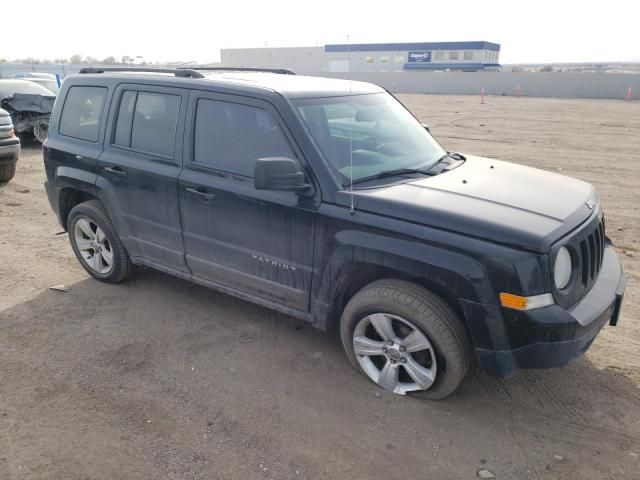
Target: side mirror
(279, 173)
(426, 127)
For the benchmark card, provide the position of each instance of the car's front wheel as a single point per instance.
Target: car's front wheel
(7, 171)
(406, 339)
(96, 243)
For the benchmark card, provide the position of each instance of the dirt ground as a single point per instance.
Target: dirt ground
(157, 378)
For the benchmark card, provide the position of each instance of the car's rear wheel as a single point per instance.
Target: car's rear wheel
(7, 171)
(96, 243)
(406, 339)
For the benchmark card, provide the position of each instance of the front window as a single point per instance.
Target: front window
(374, 133)
(230, 137)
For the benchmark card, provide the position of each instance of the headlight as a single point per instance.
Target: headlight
(562, 268)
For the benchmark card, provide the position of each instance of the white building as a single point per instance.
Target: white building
(370, 57)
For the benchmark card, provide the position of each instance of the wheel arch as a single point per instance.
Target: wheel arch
(364, 257)
(358, 275)
(68, 198)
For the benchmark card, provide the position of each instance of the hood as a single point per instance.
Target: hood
(30, 102)
(491, 199)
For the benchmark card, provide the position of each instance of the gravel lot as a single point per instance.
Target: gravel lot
(161, 379)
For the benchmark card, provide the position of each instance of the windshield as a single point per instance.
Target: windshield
(374, 131)
(10, 87)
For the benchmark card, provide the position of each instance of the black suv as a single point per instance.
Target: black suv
(327, 200)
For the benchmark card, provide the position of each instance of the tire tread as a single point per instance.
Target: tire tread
(428, 309)
(7, 171)
(95, 209)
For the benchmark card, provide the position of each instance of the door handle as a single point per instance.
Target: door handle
(116, 171)
(201, 194)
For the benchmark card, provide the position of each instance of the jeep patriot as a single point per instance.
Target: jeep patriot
(329, 201)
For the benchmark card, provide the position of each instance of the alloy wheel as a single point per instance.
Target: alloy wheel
(394, 353)
(93, 245)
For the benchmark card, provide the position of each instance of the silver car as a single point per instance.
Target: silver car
(9, 147)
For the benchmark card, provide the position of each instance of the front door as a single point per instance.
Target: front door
(256, 242)
(138, 171)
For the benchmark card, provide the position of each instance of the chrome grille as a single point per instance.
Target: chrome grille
(592, 253)
(587, 247)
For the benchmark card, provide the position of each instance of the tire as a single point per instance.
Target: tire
(41, 132)
(92, 213)
(7, 171)
(406, 306)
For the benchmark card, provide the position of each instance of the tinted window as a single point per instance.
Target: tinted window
(125, 117)
(81, 112)
(154, 123)
(231, 137)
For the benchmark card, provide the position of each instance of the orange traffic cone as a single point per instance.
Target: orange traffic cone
(629, 94)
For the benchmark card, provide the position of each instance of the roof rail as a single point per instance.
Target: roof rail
(178, 72)
(282, 71)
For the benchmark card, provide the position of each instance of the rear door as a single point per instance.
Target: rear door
(256, 242)
(139, 168)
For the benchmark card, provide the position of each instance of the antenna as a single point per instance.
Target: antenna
(352, 211)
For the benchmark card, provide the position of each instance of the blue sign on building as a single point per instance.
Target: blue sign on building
(419, 57)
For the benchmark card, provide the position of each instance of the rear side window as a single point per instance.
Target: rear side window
(147, 122)
(231, 137)
(82, 111)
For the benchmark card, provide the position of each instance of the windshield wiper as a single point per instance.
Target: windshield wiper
(392, 173)
(456, 156)
(434, 169)
(452, 155)
(444, 162)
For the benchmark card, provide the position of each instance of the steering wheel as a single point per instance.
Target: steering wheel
(390, 148)
(370, 143)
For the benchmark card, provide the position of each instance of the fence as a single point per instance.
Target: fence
(542, 84)
(8, 70)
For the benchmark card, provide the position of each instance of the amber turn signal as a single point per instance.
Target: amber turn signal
(517, 302)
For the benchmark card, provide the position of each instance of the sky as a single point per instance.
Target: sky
(529, 31)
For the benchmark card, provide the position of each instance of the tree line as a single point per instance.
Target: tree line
(78, 59)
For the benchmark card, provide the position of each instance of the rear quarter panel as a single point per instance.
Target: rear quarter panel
(73, 162)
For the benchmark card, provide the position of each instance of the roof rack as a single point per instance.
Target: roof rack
(281, 71)
(178, 72)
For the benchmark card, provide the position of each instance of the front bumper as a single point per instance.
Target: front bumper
(9, 150)
(552, 336)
